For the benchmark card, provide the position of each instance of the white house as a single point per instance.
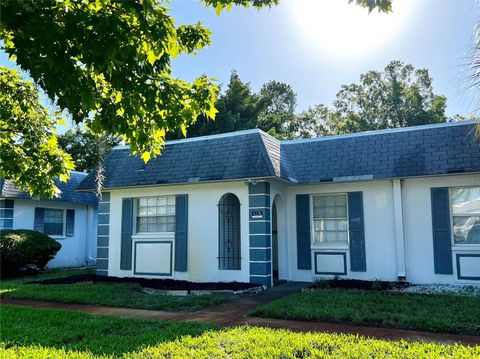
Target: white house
(71, 219)
(400, 204)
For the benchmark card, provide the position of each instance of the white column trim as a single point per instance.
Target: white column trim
(399, 232)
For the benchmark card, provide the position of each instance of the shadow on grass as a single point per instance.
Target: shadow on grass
(84, 332)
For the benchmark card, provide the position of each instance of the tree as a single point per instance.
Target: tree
(238, 109)
(87, 150)
(314, 122)
(399, 96)
(279, 102)
(108, 64)
(29, 153)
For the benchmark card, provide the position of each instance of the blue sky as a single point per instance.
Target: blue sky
(297, 46)
(318, 45)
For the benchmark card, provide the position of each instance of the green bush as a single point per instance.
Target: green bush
(22, 249)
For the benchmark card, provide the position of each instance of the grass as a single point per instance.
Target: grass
(23, 326)
(111, 294)
(54, 334)
(446, 313)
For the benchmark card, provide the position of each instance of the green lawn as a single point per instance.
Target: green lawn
(111, 294)
(46, 333)
(435, 313)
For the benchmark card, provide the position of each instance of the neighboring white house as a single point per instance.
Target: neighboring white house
(71, 219)
(243, 206)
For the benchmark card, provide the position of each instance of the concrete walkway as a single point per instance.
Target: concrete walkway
(235, 313)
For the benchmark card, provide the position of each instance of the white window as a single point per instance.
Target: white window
(156, 214)
(465, 203)
(53, 223)
(330, 219)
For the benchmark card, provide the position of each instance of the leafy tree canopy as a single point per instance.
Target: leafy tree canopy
(108, 64)
(87, 150)
(399, 96)
(29, 153)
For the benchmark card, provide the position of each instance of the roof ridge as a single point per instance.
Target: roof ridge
(270, 161)
(205, 138)
(382, 132)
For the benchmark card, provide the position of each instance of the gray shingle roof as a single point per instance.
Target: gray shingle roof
(211, 158)
(415, 151)
(69, 193)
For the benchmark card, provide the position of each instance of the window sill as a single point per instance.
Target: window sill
(56, 236)
(465, 247)
(330, 246)
(156, 235)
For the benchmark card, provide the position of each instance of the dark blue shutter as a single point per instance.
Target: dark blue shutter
(356, 228)
(181, 232)
(70, 225)
(442, 247)
(304, 259)
(39, 219)
(126, 235)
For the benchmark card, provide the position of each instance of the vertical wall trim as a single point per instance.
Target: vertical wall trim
(103, 237)
(399, 231)
(260, 228)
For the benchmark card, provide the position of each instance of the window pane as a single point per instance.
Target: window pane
(342, 237)
(53, 222)
(341, 212)
(330, 222)
(331, 237)
(331, 225)
(465, 200)
(153, 214)
(466, 230)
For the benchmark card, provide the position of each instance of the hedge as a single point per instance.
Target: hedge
(25, 249)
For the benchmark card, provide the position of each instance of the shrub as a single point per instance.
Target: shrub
(22, 249)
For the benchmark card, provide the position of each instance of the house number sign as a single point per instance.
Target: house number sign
(257, 213)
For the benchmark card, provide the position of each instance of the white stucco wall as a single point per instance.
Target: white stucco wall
(418, 228)
(75, 250)
(383, 230)
(379, 230)
(202, 229)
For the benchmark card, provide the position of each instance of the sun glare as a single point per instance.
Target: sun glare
(338, 28)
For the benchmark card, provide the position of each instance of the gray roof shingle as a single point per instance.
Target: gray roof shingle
(69, 193)
(211, 158)
(414, 151)
(406, 152)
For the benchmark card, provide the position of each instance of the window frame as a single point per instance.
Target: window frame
(458, 246)
(64, 223)
(314, 244)
(135, 216)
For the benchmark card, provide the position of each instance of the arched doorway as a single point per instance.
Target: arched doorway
(229, 255)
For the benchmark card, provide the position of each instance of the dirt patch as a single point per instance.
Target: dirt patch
(358, 284)
(161, 284)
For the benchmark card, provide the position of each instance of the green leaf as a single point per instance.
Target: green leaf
(151, 58)
(118, 97)
(145, 156)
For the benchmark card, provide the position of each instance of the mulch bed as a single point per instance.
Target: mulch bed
(161, 284)
(358, 284)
